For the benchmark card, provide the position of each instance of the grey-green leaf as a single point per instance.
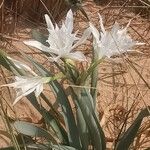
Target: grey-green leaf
(3, 61)
(85, 102)
(63, 101)
(83, 129)
(33, 131)
(62, 147)
(128, 137)
(38, 36)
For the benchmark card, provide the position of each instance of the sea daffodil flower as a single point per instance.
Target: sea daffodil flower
(115, 41)
(61, 40)
(26, 85)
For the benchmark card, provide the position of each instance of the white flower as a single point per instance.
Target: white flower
(21, 65)
(26, 85)
(109, 43)
(61, 40)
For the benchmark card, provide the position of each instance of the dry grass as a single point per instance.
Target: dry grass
(122, 92)
(31, 10)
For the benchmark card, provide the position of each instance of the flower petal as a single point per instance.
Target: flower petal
(85, 35)
(16, 84)
(37, 45)
(95, 32)
(38, 90)
(112, 42)
(79, 56)
(69, 21)
(21, 95)
(49, 22)
(61, 40)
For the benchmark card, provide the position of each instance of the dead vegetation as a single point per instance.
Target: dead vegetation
(123, 86)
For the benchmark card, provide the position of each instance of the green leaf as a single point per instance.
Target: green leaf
(83, 129)
(53, 118)
(62, 99)
(8, 148)
(38, 146)
(64, 103)
(48, 117)
(33, 131)
(9, 65)
(128, 137)
(29, 147)
(42, 147)
(62, 147)
(38, 36)
(94, 76)
(47, 147)
(84, 75)
(84, 100)
(3, 61)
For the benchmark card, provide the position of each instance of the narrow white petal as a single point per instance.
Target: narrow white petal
(16, 84)
(94, 31)
(85, 35)
(115, 30)
(37, 45)
(28, 85)
(79, 56)
(38, 90)
(49, 22)
(17, 99)
(56, 27)
(69, 21)
(23, 95)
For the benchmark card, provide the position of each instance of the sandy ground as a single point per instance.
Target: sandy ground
(119, 85)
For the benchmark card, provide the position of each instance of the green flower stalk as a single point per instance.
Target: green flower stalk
(107, 44)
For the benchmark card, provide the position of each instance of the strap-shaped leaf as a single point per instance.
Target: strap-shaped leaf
(33, 131)
(47, 116)
(49, 119)
(62, 99)
(83, 129)
(84, 100)
(128, 137)
(54, 118)
(7, 148)
(39, 37)
(9, 65)
(42, 147)
(3, 61)
(62, 147)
